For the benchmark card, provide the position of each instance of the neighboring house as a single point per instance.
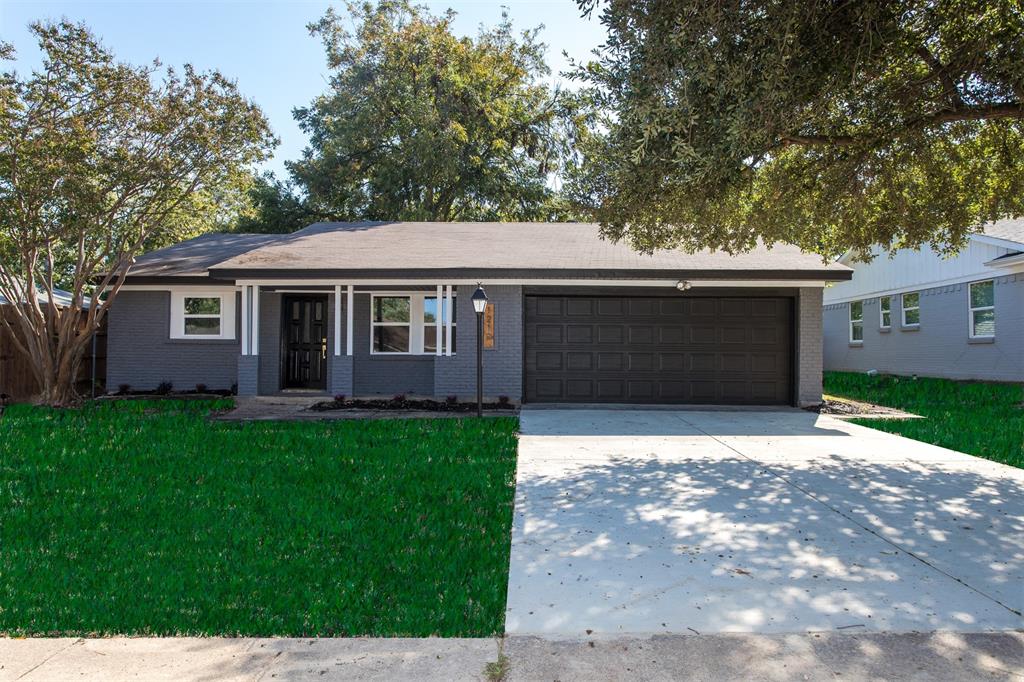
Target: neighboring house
(917, 313)
(363, 309)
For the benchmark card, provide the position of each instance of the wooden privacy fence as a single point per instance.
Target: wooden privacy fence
(16, 380)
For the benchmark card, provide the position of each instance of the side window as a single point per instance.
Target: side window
(911, 304)
(856, 320)
(202, 315)
(885, 312)
(982, 304)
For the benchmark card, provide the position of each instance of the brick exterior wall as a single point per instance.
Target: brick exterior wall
(941, 345)
(141, 353)
(377, 375)
(808, 349)
(503, 364)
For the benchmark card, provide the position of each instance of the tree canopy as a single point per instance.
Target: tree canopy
(99, 159)
(833, 126)
(419, 124)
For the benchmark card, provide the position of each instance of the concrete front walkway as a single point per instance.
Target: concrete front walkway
(639, 522)
(931, 657)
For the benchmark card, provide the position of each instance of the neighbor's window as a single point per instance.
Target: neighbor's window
(202, 316)
(983, 309)
(911, 304)
(856, 320)
(885, 311)
(430, 323)
(391, 324)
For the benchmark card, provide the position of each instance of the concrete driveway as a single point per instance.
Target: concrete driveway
(671, 521)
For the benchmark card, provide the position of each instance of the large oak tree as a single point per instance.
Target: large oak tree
(99, 159)
(421, 124)
(832, 125)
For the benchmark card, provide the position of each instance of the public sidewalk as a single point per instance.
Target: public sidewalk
(935, 656)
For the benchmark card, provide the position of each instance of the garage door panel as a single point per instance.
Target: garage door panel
(658, 349)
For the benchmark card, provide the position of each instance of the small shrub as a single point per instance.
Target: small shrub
(233, 390)
(123, 389)
(452, 399)
(164, 388)
(399, 399)
(503, 400)
(201, 388)
(339, 398)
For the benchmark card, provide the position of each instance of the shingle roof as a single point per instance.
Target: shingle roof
(560, 249)
(1011, 229)
(194, 257)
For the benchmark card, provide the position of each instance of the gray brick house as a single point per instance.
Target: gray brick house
(918, 313)
(368, 309)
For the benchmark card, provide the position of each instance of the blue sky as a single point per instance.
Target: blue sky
(265, 45)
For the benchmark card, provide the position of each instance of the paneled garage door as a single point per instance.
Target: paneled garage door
(679, 349)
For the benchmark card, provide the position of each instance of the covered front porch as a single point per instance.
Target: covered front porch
(368, 338)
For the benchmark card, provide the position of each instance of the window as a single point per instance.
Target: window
(856, 321)
(885, 312)
(983, 309)
(407, 324)
(911, 304)
(430, 323)
(391, 324)
(202, 314)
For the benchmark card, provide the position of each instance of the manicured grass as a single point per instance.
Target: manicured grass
(979, 418)
(143, 517)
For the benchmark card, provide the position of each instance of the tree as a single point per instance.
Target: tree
(97, 159)
(274, 206)
(419, 124)
(832, 125)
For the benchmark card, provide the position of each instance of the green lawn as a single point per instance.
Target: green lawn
(979, 418)
(142, 517)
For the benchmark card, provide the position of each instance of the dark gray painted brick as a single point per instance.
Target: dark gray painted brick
(141, 353)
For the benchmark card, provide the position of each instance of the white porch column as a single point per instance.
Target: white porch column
(246, 297)
(349, 305)
(448, 320)
(437, 320)
(254, 338)
(337, 319)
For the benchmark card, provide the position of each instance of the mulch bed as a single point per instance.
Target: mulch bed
(855, 408)
(399, 403)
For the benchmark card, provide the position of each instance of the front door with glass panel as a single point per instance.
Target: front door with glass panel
(305, 342)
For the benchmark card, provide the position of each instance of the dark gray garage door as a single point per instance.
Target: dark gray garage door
(679, 349)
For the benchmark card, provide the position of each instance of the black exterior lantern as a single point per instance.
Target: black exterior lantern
(479, 305)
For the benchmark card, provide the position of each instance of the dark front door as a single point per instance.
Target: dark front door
(305, 341)
(646, 349)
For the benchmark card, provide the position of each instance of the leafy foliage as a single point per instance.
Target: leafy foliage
(98, 160)
(834, 126)
(419, 124)
(979, 418)
(143, 518)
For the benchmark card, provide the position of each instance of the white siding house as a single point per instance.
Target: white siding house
(918, 313)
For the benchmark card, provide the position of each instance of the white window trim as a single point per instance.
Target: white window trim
(416, 322)
(227, 314)
(881, 313)
(904, 309)
(971, 309)
(859, 319)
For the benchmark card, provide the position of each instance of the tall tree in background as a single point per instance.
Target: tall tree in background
(832, 125)
(97, 160)
(419, 124)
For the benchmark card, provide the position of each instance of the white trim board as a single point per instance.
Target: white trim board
(978, 277)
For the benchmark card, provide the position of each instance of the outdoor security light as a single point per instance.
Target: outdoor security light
(683, 285)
